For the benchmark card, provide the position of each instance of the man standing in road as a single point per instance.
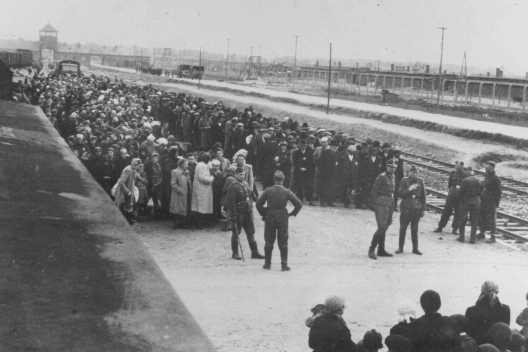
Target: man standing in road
(239, 207)
(452, 204)
(275, 216)
(470, 203)
(490, 197)
(412, 206)
(382, 201)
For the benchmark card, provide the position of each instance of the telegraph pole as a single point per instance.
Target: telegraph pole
(200, 64)
(295, 53)
(227, 59)
(329, 79)
(440, 82)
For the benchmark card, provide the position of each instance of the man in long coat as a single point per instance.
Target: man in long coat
(326, 166)
(382, 200)
(303, 172)
(412, 207)
(180, 191)
(470, 190)
(202, 191)
(490, 197)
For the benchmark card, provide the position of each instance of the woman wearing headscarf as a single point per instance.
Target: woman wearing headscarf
(125, 190)
(180, 189)
(487, 311)
(202, 194)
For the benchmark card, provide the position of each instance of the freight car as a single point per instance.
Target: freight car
(17, 59)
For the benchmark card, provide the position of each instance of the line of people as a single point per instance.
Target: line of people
(473, 199)
(485, 327)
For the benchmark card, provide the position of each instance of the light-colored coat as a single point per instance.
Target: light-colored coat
(202, 194)
(180, 186)
(125, 188)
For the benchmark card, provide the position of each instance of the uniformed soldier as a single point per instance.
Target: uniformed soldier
(490, 197)
(238, 205)
(275, 217)
(470, 191)
(452, 204)
(382, 201)
(412, 206)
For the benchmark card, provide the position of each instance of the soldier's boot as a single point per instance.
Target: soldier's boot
(234, 249)
(284, 259)
(371, 253)
(461, 238)
(267, 258)
(472, 239)
(254, 251)
(401, 243)
(481, 235)
(492, 238)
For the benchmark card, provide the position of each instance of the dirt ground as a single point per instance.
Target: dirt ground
(245, 308)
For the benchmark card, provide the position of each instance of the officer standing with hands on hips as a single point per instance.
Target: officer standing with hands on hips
(275, 217)
(412, 207)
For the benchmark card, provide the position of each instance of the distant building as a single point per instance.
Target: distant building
(48, 44)
(499, 73)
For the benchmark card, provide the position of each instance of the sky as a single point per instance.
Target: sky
(387, 30)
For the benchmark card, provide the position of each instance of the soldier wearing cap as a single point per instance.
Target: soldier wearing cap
(382, 201)
(412, 206)
(238, 204)
(276, 216)
(490, 197)
(470, 191)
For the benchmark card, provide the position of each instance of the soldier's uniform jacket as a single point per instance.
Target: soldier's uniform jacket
(382, 193)
(470, 190)
(237, 199)
(491, 189)
(454, 183)
(413, 200)
(276, 197)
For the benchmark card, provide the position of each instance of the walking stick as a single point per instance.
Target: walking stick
(240, 244)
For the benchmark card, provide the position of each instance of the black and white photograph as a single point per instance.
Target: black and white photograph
(263, 176)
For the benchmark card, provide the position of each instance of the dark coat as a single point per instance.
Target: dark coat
(470, 190)
(303, 160)
(329, 333)
(482, 316)
(413, 201)
(432, 333)
(491, 190)
(348, 169)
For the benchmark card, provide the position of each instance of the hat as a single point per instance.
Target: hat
(351, 148)
(487, 347)
(430, 301)
(489, 287)
(372, 340)
(162, 141)
(465, 343)
(334, 304)
(398, 343)
(500, 335)
(318, 308)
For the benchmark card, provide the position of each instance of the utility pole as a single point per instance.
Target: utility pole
(329, 79)
(463, 68)
(440, 82)
(295, 53)
(227, 59)
(200, 64)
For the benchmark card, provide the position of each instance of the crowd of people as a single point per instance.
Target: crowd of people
(485, 327)
(162, 154)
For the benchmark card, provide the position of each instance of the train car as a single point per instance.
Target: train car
(68, 67)
(17, 59)
(6, 80)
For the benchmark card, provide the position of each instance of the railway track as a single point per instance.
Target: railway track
(508, 184)
(513, 229)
